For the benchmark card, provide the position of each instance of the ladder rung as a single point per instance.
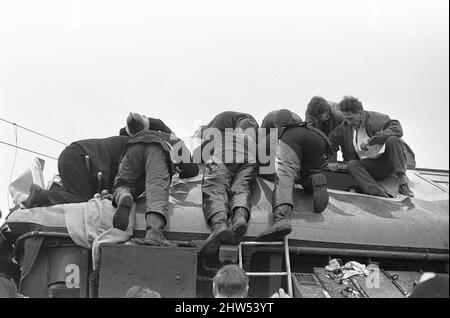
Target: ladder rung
(287, 273)
(267, 273)
(261, 243)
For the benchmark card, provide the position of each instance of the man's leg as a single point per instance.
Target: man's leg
(157, 184)
(244, 182)
(367, 172)
(75, 177)
(74, 174)
(397, 159)
(287, 173)
(215, 185)
(314, 182)
(125, 184)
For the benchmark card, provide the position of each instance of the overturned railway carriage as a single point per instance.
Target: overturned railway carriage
(70, 250)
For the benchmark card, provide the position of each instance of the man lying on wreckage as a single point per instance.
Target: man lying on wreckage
(142, 159)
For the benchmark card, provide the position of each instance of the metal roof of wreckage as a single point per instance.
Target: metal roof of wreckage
(351, 220)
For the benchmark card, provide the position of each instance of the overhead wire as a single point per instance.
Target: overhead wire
(35, 132)
(16, 147)
(25, 149)
(13, 167)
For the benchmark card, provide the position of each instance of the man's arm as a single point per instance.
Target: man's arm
(123, 132)
(390, 128)
(336, 138)
(154, 124)
(222, 121)
(158, 125)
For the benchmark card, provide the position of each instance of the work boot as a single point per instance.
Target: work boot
(281, 226)
(124, 201)
(403, 187)
(319, 191)
(379, 191)
(155, 225)
(240, 220)
(405, 190)
(219, 233)
(155, 236)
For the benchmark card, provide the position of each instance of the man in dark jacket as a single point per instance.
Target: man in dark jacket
(79, 165)
(148, 163)
(324, 115)
(372, 144)
(302, 154)
(229, 177)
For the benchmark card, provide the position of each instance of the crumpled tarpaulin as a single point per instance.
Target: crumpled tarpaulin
(90, 225)
(350, 269)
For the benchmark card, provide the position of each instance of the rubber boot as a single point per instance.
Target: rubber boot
(320, 193)
(124, 201)
(240, 221)
(281, 226)
(219, 233)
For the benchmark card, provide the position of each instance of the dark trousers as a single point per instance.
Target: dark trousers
(226, 187)
(75, 175)
(290, 172)
(77, 183)
(146, 166)
(367, 172)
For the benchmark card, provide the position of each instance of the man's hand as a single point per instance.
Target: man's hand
(334, 166)
(364, 146)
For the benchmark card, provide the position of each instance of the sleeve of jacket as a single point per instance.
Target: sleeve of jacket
(222, 121)
(391, 128)
(336, 138)
(123, 132)
(154, 124)
(158, 125)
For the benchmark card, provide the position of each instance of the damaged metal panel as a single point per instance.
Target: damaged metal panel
(170, 271)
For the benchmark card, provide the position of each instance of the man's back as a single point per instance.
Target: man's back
(309, 145)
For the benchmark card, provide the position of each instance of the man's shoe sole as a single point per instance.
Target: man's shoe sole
(212, 246)
(276, 235)
(120, 219)
(239, 228)
(320, 193)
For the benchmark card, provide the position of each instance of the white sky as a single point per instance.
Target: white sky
(74, 69)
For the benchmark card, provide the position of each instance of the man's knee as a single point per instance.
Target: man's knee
(392, 141)
(353, 165)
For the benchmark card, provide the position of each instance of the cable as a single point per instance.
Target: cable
(35, 132)
(35, 152)
(12, 170)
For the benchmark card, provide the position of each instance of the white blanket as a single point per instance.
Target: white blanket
(90, 224)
